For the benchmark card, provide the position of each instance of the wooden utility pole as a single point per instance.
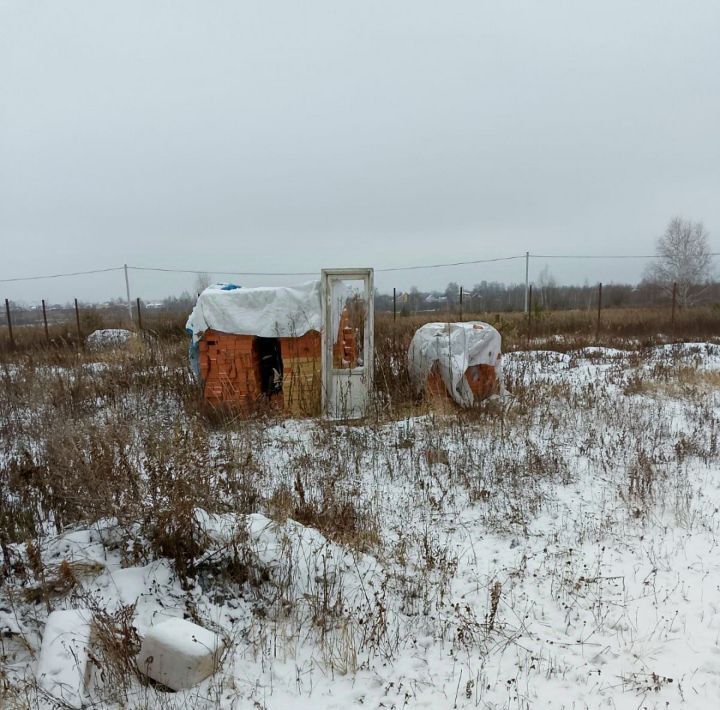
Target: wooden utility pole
(77, 322)
(9, 320)
(47, 333)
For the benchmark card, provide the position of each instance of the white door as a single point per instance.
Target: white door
(347, 341)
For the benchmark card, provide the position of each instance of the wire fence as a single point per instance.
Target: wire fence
(74, 320)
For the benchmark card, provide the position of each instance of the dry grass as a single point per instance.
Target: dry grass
(123, 435)
(643, 324)
(572, 328)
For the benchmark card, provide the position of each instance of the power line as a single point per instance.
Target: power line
(59, 276)
(223, 273)
(454, 263)
(407, 268)
(602, 256)
(388, 269)
(593, 256)
(313, 273)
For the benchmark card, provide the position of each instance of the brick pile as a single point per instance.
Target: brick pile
(481, 378)
(230, 371)
(345, 349)
(229, 368)
(483, 381)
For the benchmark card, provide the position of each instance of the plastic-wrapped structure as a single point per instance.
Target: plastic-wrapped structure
(463, 359)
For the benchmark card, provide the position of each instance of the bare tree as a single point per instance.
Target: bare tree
(414, 299)
(683, 258)
(546, 285)
(452, 293)
(202, 281)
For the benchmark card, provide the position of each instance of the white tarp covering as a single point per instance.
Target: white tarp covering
(63, 662)
(454, 347)
(269, 312)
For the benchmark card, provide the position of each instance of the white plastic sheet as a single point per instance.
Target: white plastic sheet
(63, 662)
(269, 312)
(454, 347)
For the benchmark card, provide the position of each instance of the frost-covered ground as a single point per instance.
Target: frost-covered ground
(557, 548)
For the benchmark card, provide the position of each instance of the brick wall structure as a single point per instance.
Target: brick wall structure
(230, 371)
(229, 368)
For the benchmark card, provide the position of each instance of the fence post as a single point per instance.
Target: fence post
(139, 314)
(597, 329)
(47, 333)
(9, 320)
(394, 305)
(77, 322)
(461, 304)
(672, 315)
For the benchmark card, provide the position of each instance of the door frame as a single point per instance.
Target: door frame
(327, 340)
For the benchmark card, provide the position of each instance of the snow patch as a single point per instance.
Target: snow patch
(109, 337)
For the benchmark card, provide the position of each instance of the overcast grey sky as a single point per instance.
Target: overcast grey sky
(294, 135)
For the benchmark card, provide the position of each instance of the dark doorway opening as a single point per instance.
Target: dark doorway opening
(271, 366)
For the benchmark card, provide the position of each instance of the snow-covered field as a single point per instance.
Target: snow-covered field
(557, 548)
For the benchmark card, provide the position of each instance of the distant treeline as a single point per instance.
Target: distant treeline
(486, 296)
(490, 296)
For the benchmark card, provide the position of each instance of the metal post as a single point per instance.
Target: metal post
(9, 320)
(527, 282)
(394, 306)
(77, 322)
(597, 330)
(672, 316)
(47, 334)
(461, 303)
(127, 292)
(529, 312)
(139, 314)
